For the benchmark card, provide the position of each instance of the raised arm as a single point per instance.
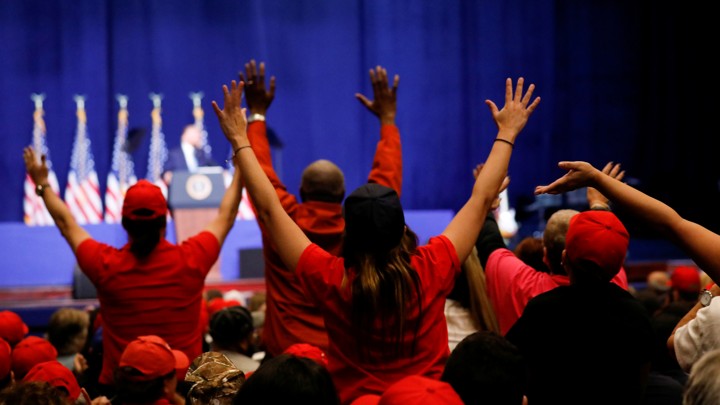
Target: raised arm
(259, 97)
(464, 228)
(387, 163)
(698, 242)
(285, 234)
(221, 225)
(73, 233)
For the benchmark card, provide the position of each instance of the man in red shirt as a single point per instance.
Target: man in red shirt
(149, 286)
(290, 316)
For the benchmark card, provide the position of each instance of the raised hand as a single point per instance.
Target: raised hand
(232, 117)
(594, 197)
(258, 98)
(384, 106)
(37, 169)
(580, 174)
(514, 114)
(506, 182)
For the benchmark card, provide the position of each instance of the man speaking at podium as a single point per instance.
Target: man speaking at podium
(189, 155)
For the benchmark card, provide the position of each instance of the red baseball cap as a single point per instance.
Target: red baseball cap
(153, 357)
(12, 327)
(143, 201)
(217, 304)
(598, 237)
(29, 352)
(414, 390)
(5, 358)
(57, 375)
(685, 279)
(309, 351)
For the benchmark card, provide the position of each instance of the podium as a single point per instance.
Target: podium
(194, 199)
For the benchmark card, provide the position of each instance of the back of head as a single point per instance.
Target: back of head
(486, 368)
(144, 215)
(230, 325)
(57, 375)
(144, 366)
(214, 379)
(703, 385)
(32, 393)
(323, 181)
(595, 246)
(530, 251)
(414, 390)
(686, 281)
(29, 352)
(374, 220)
(12, 328)
(554, 237)
(288, 379)
(68, 330)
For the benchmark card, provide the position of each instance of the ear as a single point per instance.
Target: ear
(545, 258)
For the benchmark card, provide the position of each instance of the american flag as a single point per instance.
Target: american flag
(35, 212)
(82, 193)
(199, 115)
(158, 148)
(122, 174)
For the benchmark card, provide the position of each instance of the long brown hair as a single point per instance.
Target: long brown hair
(385, 290)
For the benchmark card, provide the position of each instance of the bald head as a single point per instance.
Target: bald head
(323, 181)
(554, 238)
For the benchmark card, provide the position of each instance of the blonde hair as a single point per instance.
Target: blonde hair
(481, 309)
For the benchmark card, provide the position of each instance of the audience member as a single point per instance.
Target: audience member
(29, 352)
(698, 242)
(60, 377)
(703, 386)
(681, 298)
(233, 335)
(148, 372)
(309, 351)
(467, 307)
(590, 339)
(511, 283)
(215, 380)
(6, 376)
(382, 299)
(414, 390)
(12, 328)
(530, 251)
(189, 156)
(32, 393)
(149, 286)
(288, 379)
(67, 330)
(655, 293)
(485, 368)
(290, 317)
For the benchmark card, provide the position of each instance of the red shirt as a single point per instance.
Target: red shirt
(321, 273)
(160, 295)
(290, 317)
(511, 284)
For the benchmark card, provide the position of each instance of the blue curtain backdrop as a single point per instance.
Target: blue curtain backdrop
(617, 79)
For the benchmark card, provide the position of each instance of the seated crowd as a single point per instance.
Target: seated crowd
(357, 311)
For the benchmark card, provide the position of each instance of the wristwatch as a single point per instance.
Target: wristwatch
(705, 297)
(40, 189)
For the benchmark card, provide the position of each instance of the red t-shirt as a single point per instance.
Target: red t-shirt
(290, 317)
(321, 273)
(511, 284)
(160, 295)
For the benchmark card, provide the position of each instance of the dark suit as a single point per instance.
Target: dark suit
(176, 160)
